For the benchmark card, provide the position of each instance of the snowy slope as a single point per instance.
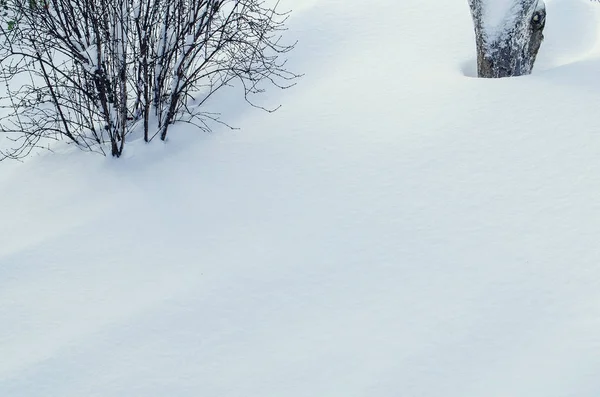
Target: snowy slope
(398, 228)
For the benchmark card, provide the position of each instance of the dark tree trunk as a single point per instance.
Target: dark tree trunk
(510, 47)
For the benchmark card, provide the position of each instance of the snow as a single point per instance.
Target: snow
(397, 228)
(498, 15)
(497, 12)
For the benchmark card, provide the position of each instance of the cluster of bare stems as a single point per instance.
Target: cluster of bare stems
(93, 71)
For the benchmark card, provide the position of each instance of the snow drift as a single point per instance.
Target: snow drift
(396, 229)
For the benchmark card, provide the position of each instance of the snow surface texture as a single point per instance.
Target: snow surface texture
(396, 229)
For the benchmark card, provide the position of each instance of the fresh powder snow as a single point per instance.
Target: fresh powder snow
(397, 228)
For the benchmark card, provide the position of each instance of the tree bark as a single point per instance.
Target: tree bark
(509, 46)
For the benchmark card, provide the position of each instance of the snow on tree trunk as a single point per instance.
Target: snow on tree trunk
(508, 34)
